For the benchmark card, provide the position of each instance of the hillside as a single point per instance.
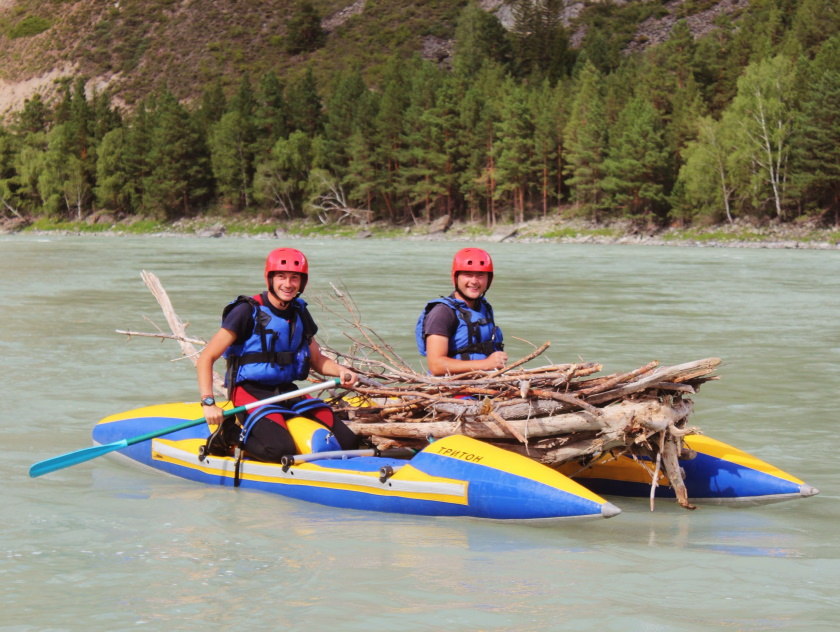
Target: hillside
(133, 48)
(692, 112)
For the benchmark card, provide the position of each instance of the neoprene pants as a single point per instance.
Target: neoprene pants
(270, 439)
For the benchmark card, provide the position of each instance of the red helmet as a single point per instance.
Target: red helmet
(287, 260)
(472, 260)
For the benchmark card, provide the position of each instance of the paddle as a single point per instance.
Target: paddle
(87, 454)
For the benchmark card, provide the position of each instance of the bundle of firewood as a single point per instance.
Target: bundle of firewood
(554, 414)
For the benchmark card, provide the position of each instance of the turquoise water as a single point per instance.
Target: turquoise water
(101, 546)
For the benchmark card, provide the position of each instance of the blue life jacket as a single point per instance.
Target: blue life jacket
(277, 351)
(477, 335)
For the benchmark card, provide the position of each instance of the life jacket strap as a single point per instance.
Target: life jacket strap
(267, 357)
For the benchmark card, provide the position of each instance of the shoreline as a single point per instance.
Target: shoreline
(788, 236)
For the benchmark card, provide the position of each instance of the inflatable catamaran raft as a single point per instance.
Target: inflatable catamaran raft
(454, 476)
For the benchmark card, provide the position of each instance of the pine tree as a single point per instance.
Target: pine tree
(29, 165)
(9, 147)
(514, 149)
(540, 43)
(479, 37)
(271, 114)
(178, 160)
(212, 107)
(586, 143)
(479, 110)
(344, 108)
(816, 172)
(231, 158)
(636, 165)
(719, 61)
(389, 130)
(361, 176)
(814, 22)
(305, 106)
(548, 118)
(304, 32)
(137, 155)
(420, 140)
(34, 117)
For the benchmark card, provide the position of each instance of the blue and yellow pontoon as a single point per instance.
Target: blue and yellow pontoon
(715, 473)
(455, 476)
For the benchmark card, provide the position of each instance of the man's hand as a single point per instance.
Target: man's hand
(496, 360)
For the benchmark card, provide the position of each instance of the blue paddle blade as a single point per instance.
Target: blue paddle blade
(74, 458)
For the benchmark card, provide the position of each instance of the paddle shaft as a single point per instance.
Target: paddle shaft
(233, 411)
(87, 454)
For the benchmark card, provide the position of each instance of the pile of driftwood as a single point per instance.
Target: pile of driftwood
(555, 414)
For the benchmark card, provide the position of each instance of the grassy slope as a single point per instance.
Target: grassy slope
(185, 44)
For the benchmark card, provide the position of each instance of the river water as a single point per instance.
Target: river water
(101, 546)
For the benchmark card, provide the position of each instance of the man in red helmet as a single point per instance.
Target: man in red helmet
(269, 342)
(457, 333)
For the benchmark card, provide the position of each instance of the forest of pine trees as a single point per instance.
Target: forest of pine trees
(743, 123)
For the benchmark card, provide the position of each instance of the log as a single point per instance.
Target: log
(651, 414)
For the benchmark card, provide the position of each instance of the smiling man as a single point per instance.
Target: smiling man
(457, 333)
(269, 342)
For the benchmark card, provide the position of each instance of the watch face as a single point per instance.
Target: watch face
(208, 401)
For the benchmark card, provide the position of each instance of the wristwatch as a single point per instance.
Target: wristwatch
(208, 400)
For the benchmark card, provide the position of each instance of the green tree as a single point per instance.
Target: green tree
(112, 175)
(479, 110)
(137, 155)
(212, 107)
(719, 60)
(9, 147)
(636, 165)
(348, 102)
(178, 161)
(706, 182)
(29, 164)
(420, 142)
(394, 101)
(231, 158)
(479, 37)
(271, 114)
(815, 22)
(362, 171)
(282, 179)
(34, 117)
(303, 31)
(305, 105)
(586, 143)
(514, 148)
(232, 144)
(539, 40)
(765, 117)
(816, 158)
(59, 175)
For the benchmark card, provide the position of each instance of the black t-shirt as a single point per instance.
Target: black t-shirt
(240, 320)
(440, 321)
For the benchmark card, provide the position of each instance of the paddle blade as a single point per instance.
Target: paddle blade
(73, 458)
